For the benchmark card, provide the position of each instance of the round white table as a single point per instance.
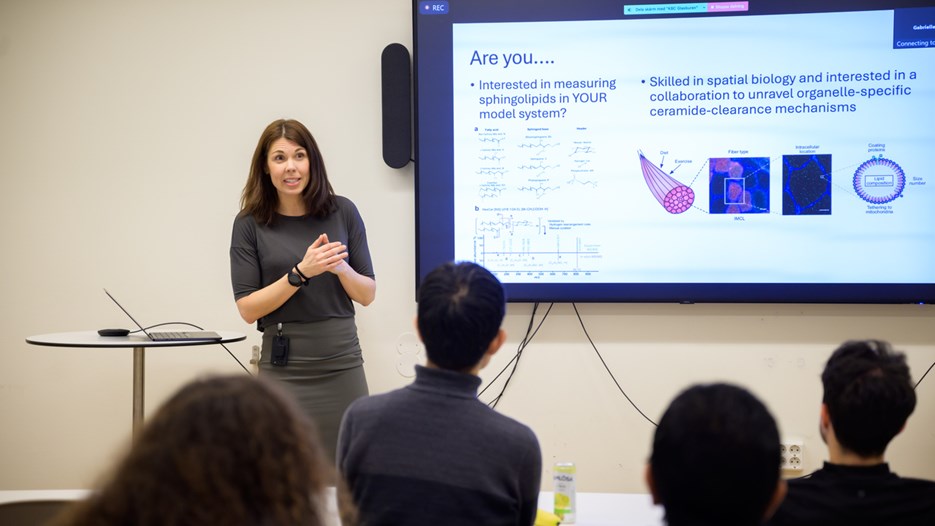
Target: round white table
(138, 343)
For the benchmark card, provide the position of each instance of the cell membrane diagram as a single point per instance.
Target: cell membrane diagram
(879, 181)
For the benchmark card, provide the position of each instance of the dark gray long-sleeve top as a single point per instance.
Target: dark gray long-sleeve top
(432, 453)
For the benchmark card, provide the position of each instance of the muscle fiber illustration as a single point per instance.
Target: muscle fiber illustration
(674, 196)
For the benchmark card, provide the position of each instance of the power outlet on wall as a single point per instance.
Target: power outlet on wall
(792, 455)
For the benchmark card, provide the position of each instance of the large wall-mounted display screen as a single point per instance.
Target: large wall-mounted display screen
(755, 151)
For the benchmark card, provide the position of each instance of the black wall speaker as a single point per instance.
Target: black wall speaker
(397, 106)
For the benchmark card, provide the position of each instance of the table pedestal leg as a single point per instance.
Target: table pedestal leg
(138, 376)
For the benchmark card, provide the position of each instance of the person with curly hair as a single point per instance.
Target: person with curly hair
(231, 450)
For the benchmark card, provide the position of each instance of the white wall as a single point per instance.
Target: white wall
(125, 125)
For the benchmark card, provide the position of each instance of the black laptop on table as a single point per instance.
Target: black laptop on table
(169, 336)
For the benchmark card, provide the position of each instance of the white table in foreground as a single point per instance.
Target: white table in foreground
(610, 509)
(138, 343)
(42, 494)
(594, 509)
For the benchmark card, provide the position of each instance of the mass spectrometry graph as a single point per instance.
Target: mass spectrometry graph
(532, 245)
(674, 196)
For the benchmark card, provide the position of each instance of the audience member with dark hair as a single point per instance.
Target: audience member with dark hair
(231, 450)
(715, 459)
(868, 396)
(432, 453)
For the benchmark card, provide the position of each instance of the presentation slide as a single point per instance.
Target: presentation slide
(717, 147)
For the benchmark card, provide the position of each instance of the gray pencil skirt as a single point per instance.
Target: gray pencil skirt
(325, 371)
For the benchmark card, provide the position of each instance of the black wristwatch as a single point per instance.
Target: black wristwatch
(294, 279)
(299, 272)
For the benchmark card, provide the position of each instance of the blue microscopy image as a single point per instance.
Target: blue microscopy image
(806, 184)
(739, 185)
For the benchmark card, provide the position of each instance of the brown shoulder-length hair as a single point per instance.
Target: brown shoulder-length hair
(259, 197)
(232, 450)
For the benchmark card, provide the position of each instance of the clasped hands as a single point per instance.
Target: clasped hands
(323, 256)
